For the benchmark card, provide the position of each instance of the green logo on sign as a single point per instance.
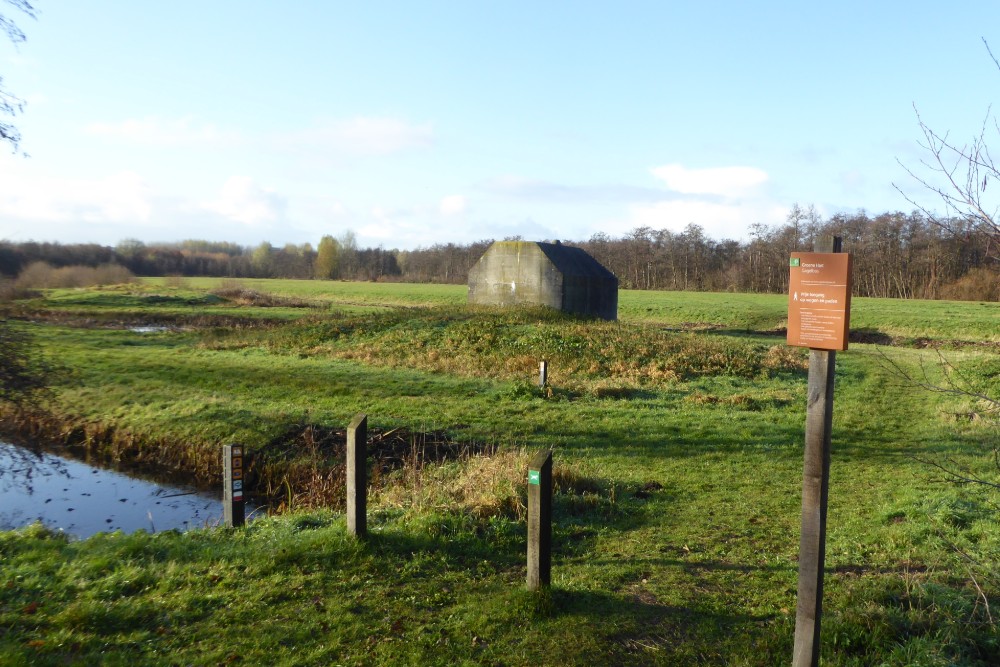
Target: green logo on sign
(534, 477)
(794, 261)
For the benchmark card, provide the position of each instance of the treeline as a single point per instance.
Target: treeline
(895, 255)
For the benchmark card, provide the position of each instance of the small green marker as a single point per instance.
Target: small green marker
(794, 261)
(534, 477)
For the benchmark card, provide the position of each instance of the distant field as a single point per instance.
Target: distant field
(678, 445)
(349, 296)
(951, 320)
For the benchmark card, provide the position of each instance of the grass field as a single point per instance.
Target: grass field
(677, 436)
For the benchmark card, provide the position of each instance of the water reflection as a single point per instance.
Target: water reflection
(82, 499)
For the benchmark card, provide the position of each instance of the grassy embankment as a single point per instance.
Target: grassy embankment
(679, 467)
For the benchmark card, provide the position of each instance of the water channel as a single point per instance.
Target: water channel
(82, 499)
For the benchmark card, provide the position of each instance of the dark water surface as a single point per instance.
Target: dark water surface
(82, 499)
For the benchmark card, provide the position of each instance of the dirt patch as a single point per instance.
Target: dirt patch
(245, 296)
(695, 326)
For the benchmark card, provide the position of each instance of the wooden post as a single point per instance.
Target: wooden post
(543, 373)
(540, 520)
(233, 508)
(815, 494)
(357, 476)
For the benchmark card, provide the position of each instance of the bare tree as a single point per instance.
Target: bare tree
(11, 105)
(960, 174)
(963, 177)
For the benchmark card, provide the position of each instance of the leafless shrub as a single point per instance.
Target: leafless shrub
(981, 284)
(41, 275)
(9, 291)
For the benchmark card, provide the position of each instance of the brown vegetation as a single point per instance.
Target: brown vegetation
(41, 275)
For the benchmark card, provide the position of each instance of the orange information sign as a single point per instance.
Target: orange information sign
(819, 300)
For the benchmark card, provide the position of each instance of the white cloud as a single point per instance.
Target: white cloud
(549, 192)
(122, 197)
(453, 205)
(157, 131)
(723, 201)
(852, 181)
(722, 181)
(242, 199)
(363, 136)
(718, 219)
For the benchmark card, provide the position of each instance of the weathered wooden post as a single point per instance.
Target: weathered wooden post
(543, 373)
(819, 318)
(540, 520)
(357, 475)
(233, 508)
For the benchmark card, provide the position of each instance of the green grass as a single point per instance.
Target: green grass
(907, 319)
(677, 514)
(941, 320)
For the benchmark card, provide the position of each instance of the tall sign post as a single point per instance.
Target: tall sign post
(233, 507)
(819, 314)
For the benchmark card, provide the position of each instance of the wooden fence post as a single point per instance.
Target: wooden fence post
(540, 520)
(233, 508)
(357, 476)
(543, 373)
(815, 494)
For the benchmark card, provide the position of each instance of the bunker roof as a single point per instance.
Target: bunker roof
(572, 261)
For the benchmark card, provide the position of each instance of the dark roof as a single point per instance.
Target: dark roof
(575, 261)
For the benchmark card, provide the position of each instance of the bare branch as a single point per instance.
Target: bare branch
(990, 51)
(962, 386)
(957, 475)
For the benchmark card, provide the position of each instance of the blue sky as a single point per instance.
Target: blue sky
(412, 123)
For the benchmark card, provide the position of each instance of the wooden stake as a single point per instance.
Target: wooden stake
(357, 476)
(540, 520)
(233, 507)
(815, 495)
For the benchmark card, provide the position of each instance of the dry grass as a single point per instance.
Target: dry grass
(484, 486)
(481, 485)
(241, 295)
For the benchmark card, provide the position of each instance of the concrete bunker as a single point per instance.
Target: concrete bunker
(547, 274)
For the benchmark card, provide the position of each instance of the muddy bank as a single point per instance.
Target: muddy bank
(303, 467)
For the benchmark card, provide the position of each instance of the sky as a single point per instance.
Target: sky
(415, 123)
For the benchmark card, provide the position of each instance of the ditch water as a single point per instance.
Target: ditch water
(82, 499)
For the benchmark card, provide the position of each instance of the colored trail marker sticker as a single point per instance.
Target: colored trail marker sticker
(534, 477)
(234, 513)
